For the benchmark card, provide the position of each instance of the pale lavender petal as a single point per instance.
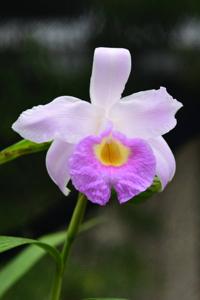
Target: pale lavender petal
(165, 161)
(95, 180)
(146, 114)
(110, 72)
(66, 118)
(57, 163)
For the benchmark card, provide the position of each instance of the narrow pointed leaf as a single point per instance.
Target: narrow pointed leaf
(24, 147)
(17, 267)
(10, 242)
(25, 260)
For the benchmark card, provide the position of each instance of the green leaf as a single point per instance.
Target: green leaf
(24, 261)
(21, 148)
(153, 189)
(10, 242)
(17, 267)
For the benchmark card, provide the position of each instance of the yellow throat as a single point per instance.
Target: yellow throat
(111, 152)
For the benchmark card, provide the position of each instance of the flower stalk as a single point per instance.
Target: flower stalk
(72, 231)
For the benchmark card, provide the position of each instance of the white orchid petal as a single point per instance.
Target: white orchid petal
(66, 118)
(57, 163)
(146, 114)
(110, 72)
(165, 161)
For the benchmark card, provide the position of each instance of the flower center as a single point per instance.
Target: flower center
(111, 152)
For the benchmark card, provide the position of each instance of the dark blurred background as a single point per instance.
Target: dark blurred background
(146, 251)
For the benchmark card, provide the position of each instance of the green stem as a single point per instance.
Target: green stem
(72, 231)
(57, 285)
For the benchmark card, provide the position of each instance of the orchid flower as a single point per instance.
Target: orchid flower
(112, 142)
